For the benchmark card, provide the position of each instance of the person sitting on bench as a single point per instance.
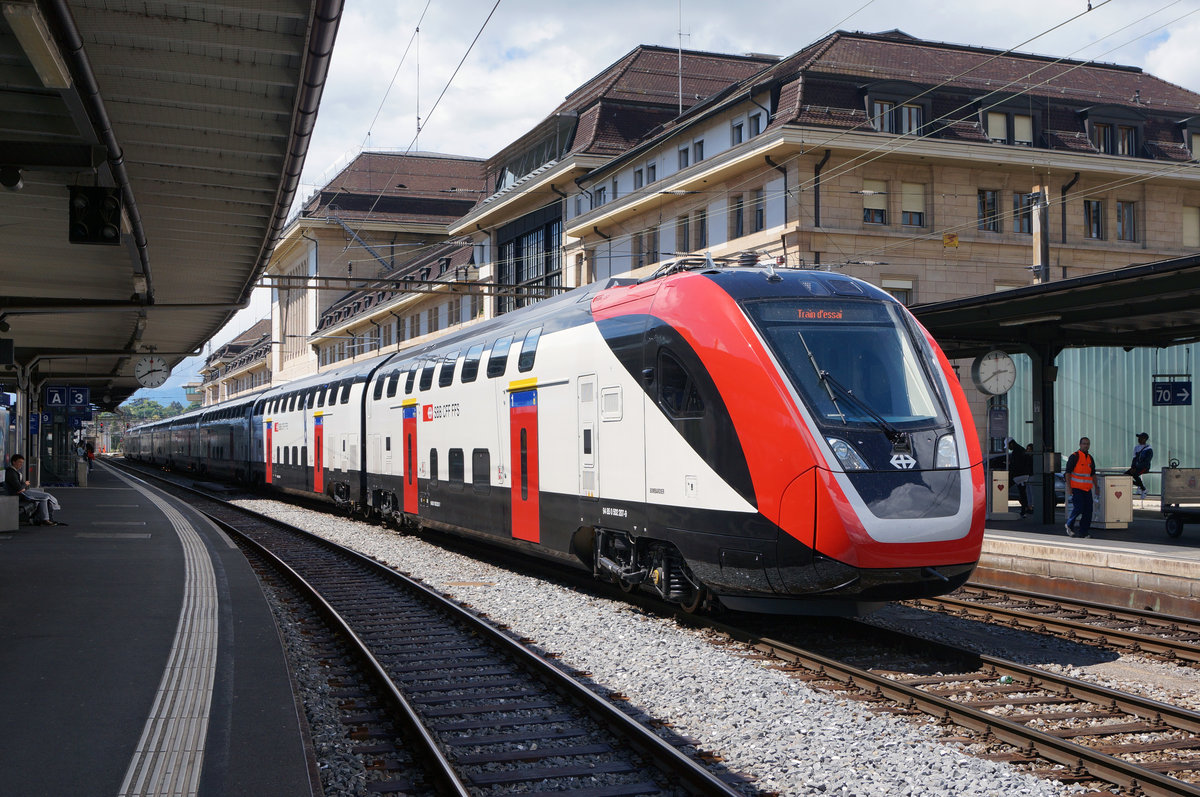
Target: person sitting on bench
(16, 484)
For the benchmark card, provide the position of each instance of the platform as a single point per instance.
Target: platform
(114, 684)
(1139, 566)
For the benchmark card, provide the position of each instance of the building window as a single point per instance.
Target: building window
(910, 119)
(651, 243)
(912, 204)
(683, 234)
(1093, 218)
(1102, 137)
(637, 179)
(901, 289)
(1126, 221)
(735, 134)
(579, 205)
(1126, 140)
(1023, 129)
(651, 172)
(737, 216)
(989, 210)
(755, 125)
(697, 152)
(1191, 227)
(601, 196)
(683, 158)
(760, 210)
(874, 202)
(700, 228)
(997, 127)
(1023, 213)
(881, 116)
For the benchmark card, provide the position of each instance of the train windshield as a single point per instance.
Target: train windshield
(852, 361)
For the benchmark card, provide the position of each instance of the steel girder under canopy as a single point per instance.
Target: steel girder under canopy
(149, 153)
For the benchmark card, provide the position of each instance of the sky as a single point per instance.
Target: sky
(520, 58)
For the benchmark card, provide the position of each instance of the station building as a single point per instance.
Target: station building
(919, 166)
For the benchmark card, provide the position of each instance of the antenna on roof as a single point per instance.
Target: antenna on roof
(417, 44)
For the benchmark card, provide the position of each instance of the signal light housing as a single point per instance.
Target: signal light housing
(95, 215)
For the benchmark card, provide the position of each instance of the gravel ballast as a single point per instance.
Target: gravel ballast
(762, 723)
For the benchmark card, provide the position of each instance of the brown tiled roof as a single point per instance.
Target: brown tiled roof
(884, 57)
(1169, 150)
(650, 75)
(419, 187)
(964, 131)
(1069, 140)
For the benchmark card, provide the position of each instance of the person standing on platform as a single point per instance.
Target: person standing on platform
(1142, 455)
(91, 456)
(1081, 479)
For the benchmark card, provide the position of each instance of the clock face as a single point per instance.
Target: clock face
(151, 371)
(994, 373)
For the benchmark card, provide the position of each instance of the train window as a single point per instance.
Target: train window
(529, 349)
(393, 381)
(587, 441)
(291, 405)
(285, 455)
(677, 390)
(498, 360)
(524, 464)
(412, 375)
(296, 455)
(433, 467)
(387, 443)
(470, 367)
(377, 393)
(481, 471)
(346, 385)
(446, 374)
(321, 395)
(427, 376)
(312, 398)
(304, 455)
(455, 466)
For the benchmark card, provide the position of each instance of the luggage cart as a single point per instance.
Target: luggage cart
(1180, 498)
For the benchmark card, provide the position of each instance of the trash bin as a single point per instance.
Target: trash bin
(1114, 507)
(81, 473)
(998, 496)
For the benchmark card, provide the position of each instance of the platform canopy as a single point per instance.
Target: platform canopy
(1153, 304)
(149, 154)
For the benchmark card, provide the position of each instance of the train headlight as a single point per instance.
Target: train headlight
(947, 452)
(846, 454)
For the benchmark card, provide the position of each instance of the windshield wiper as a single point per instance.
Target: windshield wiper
(893, 434)
(821, 377)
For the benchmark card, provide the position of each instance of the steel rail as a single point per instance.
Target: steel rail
(1076, 629)
(430, 754)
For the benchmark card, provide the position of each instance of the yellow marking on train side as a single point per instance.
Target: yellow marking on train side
(522, 384)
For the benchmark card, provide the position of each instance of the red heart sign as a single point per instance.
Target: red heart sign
(1117, 493)
(1000, 487)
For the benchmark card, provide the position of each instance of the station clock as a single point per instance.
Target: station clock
(994, 373)
(151, 371)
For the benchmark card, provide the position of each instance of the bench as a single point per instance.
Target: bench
(14, 512)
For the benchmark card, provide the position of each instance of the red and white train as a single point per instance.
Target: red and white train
(788, 441)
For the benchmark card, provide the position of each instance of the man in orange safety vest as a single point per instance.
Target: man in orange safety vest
(1081, 478)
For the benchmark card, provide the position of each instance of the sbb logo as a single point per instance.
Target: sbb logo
(427, 412)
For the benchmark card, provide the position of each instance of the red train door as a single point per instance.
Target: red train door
(269, 451)
(409, 412)
(319, 453)
(524, 451)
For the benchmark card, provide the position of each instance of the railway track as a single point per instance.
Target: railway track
(484, 712)
(1090, 734)
(1174, 639)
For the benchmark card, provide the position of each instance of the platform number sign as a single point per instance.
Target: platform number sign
(79, 396)
(56, 398)
(1172, 394)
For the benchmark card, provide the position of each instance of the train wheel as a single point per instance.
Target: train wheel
(694, 602)
(1174, 526)
(626, 586)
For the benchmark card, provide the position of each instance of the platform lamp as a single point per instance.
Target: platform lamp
(95, 215)
(35, 38)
